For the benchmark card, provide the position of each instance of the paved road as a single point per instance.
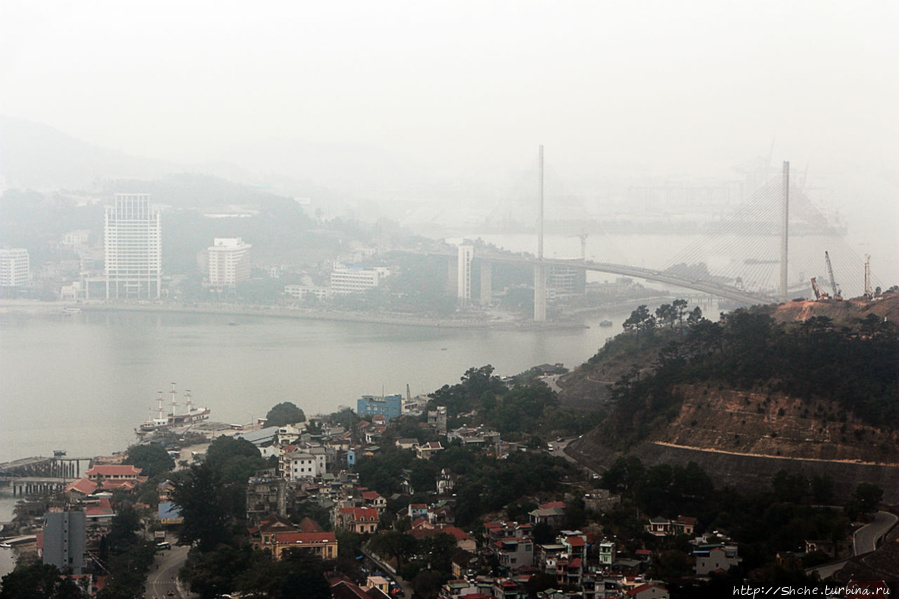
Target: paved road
(163, 576)
(865, 538)
(403, 584)
(863, 541)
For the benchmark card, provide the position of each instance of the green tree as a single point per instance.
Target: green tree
(38, 580)
(822, 489)
(298, 574)
(393, 544)
(867, 497)
(152, 459)
(215, 573)
(789, 487)
(640, 320)
(284, 413)
(207, 510)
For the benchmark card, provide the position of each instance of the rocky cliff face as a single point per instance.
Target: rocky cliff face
(771, 425)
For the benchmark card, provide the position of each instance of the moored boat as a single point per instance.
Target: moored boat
(173, 419)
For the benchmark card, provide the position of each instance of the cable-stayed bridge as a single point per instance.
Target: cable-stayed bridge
(767, 250)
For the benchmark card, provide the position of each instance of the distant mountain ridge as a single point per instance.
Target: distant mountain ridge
(40, 157)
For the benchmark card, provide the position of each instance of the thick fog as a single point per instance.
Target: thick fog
(421, 97)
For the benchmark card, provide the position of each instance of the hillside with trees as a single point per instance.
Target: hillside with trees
(748, 384)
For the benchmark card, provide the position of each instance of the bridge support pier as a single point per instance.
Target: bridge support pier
(539, 292)
(486, 283)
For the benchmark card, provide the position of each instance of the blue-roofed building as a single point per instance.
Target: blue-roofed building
(389, 406)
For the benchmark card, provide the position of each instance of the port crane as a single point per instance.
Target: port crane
(837, 294)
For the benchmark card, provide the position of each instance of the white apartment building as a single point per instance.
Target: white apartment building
(299, 465)
(133, 247)
(15, 269)
(353, 279)
(229, 261)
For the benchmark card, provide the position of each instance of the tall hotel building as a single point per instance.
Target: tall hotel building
(229, 262)
(133, 237)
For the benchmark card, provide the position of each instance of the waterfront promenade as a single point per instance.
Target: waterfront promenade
(495, 320)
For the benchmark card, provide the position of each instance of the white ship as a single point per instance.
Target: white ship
(173, 419)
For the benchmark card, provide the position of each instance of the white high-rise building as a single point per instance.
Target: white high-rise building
(133, 242)
(14, 267)
(466, 255)
(229, 261)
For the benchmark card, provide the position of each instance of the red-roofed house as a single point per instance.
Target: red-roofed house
(121, 472)
(100, 512)
(575, 545)
(648, 591)
(80, 489)
(684, 525)
(374, 499)
(358, 519)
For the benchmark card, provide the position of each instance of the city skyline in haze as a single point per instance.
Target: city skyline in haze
(463, 93)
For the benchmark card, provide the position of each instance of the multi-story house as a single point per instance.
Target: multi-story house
(514, 553)
(711, 558)
(389, 406)
(357, 519)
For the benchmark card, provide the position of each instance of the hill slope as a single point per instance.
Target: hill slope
(742, 428)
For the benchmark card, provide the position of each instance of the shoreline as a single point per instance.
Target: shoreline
(35, 307)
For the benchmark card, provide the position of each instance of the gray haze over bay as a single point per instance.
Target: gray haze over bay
(394, 105)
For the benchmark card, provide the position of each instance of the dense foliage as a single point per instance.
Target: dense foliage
(284, 413)
(126, 555)
(255, 572)
(151, 458)
(38, 580)
(770, 521)
(222, 476)
(486, 484)
(854, 368)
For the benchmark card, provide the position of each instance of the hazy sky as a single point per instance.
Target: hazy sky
(460, 88)
(669, 85)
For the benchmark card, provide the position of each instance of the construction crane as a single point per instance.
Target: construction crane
(837, 294)
(583, 236)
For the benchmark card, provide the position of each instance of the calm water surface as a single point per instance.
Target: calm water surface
(83, 382)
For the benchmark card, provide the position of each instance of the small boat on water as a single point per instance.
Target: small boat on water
(605, 323)
(58, 453)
